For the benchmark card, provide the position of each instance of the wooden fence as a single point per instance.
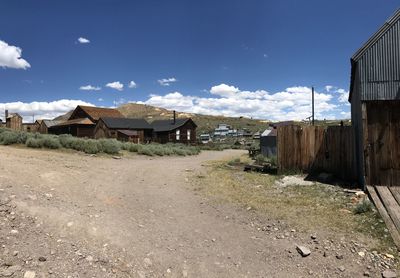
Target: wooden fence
(315, 149)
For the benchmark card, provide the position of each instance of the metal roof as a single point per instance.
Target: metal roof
(50, 123)
(168, 125)
(95, 113)
(126, 123)
(84, 121)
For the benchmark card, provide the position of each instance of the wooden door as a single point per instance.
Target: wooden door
(383, 143)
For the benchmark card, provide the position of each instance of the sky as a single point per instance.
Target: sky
(255, 58)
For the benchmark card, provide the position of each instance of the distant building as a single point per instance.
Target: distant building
(205, 138)
(222, 130)
(42, 126)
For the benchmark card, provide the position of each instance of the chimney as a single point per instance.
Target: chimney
(6, 115)
(174, 117)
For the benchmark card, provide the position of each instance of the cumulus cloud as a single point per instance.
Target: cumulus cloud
(42, 110)
(83, 40)
(132, 84)
(115, 85)
(89, 88)
(10, 57)
(167, 81)
(343, 95)
(293, 103)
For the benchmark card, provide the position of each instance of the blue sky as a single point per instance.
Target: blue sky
(238, 58)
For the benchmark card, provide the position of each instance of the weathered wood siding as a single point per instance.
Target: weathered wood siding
(170, 136)
(316, 149)
(14, 123)
(382, 146)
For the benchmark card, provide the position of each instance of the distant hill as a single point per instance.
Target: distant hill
(206, 123)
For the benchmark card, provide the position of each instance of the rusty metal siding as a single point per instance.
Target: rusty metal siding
(379, 67)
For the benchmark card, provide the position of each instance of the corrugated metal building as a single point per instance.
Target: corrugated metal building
(375, 100)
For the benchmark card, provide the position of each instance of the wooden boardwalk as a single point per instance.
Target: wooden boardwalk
(387, 201)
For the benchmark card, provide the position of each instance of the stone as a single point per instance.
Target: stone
(339, 257)
(303, 251)
(367, 274)
(69, 224)
(389, 274)
(342, 268)
(30, 274)
(313, 237)
(14, 232)
(42, 259)
(147, 262)
(361, 254)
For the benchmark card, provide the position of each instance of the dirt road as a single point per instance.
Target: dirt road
(73, 215)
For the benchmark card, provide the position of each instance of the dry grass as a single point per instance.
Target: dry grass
(314, 208)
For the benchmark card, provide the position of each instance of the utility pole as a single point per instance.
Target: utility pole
(312, 89)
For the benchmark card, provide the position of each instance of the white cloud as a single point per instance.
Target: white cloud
(42, 110)
(89, 88)
(328, 88)
(118, 102)
(100, 99)
(294, 103)
(167, 81)
(115, 85)
(10, 57)
(343, 95)
(83, 40)
(224, 90)
(132, 84)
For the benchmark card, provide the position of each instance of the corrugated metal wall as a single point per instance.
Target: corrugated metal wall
(379, 67)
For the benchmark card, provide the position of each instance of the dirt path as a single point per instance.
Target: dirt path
(136, 217)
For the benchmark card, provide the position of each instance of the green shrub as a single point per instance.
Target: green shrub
(234, 162)
(261, 159)
(91, 146)
(363, 207)
(51, 142)
(110, 146)
(34, 143)
(8, 138)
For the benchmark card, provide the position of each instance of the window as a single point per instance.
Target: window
(178, 135)
(188, 134)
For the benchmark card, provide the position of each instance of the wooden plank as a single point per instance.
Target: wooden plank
(390, 204)
(396, 193)
(385, 216)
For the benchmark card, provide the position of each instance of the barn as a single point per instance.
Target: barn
(83, 120)
(124, 129)
(375, 106)
(174, 131)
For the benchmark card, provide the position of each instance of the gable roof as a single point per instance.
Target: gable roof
(95, 113)
(50, 123)
(84, 121)
(12, 115)
(168, 125)
(379, 34)
(125, 123)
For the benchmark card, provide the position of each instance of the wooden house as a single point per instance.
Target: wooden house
(83, 120)
(124, 129)
(174, 131)
(375, 106)
(29, 127)
(42, 126)
(14, 121)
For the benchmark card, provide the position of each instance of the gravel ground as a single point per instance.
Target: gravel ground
(74, 215)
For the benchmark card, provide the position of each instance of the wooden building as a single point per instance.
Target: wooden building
(77, 127)
(29, 127)
(83, 120)
(124, 129)
(14, 121)
(375, 106)
(42, 126)
(174, 131)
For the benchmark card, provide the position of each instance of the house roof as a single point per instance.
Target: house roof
(84, 121)
(128, 132)
(168, 125)
(126, 123)
(12, 115)
(95, 113)
(269, 132)
(50, 123)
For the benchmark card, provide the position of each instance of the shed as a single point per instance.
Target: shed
(44, 125)
(77, 127)
(14, 121)
(124, 129)
(174, 131)
(268, 143)
(375, 106)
